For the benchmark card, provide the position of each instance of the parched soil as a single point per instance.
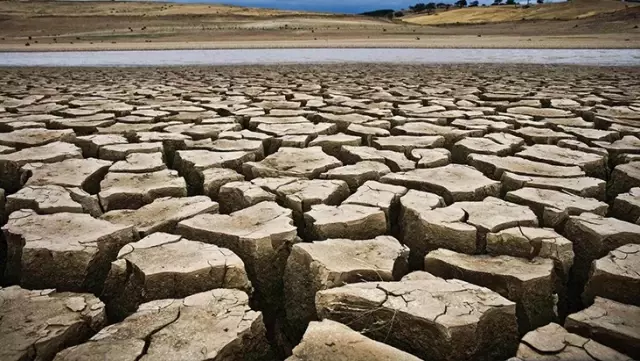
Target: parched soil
(351, 212)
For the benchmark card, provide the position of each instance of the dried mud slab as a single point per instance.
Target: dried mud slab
(450, 134)
(535, 135)
(357, 174)
(292, 162)
(626, 206)
(529, 242)
(540, 113)
(591, 135)
(262, 235)
(587, 187)
(36, 324)
(610, 323)
(214, 178)
(592, 164)
(617, 150)
(75, 173)
(140, 163)
(554, 341)
(332, 143)
(553, 208)
(10, 164)
(91, 144)
(87, 124)
(230, 145)
(163, 266)
(406, 144)
(192, 163)
(457, 320)
(463, 226)
(615, 276)
(235, 196)
(66, 251)
(453, 182)
(412, 205)
(213, 325)
(594, 236)
(467, 146)
(528, 283)
(27, 138)
(396, 161)
(317, 266)
(486, 125)
(510, 140)
(347, 220)
(328, 341)
(494, 167)
(254, 122)
(203, 130)
(49, 199)
(120, 151)
(134, 190)
(494, 214)
(161, 215)
(431, 158)
(343, 121)
(300, 195)
(623, 178)
(384, 196)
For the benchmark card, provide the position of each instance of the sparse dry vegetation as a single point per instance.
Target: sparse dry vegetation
(57, 25)
(570, 10)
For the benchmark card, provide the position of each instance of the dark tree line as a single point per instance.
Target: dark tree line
(513, 2)
(432, 6)
(420, 7)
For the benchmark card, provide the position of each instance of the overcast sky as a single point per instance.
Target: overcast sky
(342, 6)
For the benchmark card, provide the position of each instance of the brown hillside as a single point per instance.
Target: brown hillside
(570, 10)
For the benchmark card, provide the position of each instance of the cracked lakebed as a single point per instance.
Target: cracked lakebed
(292, 212)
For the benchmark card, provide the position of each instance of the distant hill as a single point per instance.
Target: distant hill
(570, 10)
(133, 8)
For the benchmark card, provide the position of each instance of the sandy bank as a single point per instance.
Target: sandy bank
(603, 41)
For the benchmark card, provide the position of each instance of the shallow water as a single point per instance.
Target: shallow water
(609, 57)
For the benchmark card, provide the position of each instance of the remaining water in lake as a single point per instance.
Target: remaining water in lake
(613, 57)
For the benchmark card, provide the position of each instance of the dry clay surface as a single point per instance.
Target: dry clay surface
(320, 213)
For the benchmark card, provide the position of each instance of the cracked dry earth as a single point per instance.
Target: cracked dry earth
(320, 213)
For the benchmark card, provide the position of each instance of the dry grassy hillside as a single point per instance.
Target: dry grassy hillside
(120, 21)
(126, 18)
(570, 10)
(132, 8)
(100, 25)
